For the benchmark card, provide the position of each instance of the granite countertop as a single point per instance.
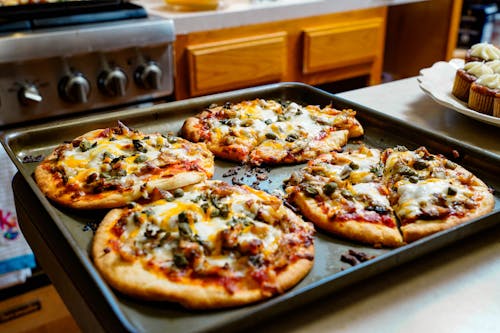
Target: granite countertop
(234, 13)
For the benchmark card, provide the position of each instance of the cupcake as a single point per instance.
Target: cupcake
(482, 52)
(496, 106)
(482, 93)
(465, 76)
(494, 65)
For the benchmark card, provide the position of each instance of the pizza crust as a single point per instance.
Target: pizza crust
(192, 129)
(377, 235)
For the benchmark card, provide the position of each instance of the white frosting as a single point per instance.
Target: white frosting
(494, 65)
(485, 51)
(491, 81)
(478, 68)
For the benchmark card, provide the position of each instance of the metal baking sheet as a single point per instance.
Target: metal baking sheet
(61, 238)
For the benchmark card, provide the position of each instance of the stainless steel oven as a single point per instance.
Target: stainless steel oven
(76, 57)
(59, 59)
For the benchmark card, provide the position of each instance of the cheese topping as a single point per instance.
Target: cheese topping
(359, 166)
(421, 198)
(292, 128)
(203, 226)
(122, 159)
(372, 194)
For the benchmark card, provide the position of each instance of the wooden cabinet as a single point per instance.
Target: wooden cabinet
(39, 310)
(313, 50)
(420, 34)
(342, 45)
(236, 63)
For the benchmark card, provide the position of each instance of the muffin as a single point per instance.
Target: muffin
(482, 93)
(465, 76)
(482, 52)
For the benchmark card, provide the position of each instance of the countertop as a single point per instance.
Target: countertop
(455, 289)
(404, 99)
(233, 13)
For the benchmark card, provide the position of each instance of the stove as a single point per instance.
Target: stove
(65, 62)
(59, 60)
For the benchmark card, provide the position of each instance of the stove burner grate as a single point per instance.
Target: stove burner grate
(124, 12)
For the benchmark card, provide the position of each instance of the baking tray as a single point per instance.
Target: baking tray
(61, 238)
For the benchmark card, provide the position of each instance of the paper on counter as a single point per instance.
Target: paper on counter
(16, 257)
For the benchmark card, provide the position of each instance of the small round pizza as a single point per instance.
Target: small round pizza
(267, 132)
(430, 193)
(205, 246)
(387, 198)
(343, 193)
(110, 167)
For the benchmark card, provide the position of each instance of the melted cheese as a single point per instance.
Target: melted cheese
(78, 164)
(270, 241)
(259, 118)
(162, 216)
(371, 191)
(141, 235)
(415, 197)
(303, 120)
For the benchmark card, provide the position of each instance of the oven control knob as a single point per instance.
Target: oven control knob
(75, 88)
(29, 94)
(113, 82)
(149, 75)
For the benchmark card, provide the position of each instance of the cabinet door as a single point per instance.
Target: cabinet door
(236, 63)
(344, 44)
(39, 310)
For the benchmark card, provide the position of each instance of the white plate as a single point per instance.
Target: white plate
(437, 82)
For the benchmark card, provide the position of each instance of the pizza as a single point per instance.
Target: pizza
(430, 193)
(387, 198)
(207, 245)
(110, 167)
(268, 132)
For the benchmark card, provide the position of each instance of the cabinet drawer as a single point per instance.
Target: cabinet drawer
(39, 310)
(341, 45)
(236, 63)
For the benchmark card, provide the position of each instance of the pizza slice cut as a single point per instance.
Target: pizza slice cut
(430, 193)
(342, 193)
